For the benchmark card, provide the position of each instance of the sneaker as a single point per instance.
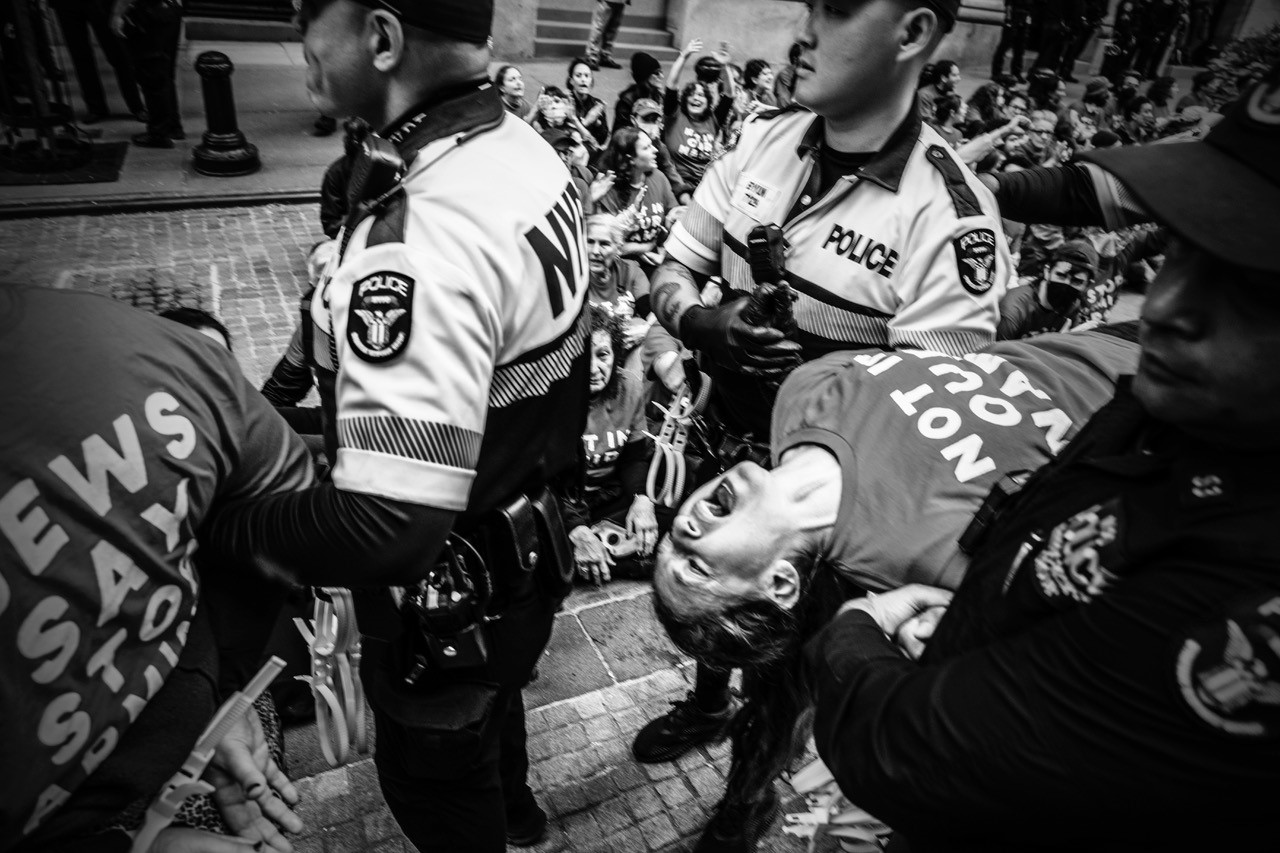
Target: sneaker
(680, 730)
(593, 63)
(529, 829)
(609, 62)
(738, 827)
(151, 140)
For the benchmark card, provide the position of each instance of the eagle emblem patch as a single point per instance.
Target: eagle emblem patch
(1229, 670)
(381, 316)
(976, 258)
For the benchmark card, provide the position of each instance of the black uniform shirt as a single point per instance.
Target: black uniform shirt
(1106, 678)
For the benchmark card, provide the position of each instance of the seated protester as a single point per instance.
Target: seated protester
(1118, 252)
(949, 111)
(616, 284)
(1201, 84)
(757, 80)
(510, 84)
(647, 116)
(1054, 303)
(695, 118)
(553, 111)
(757, 559)
(936, 79)
(588, 111)
(1162, 92)
(1117, 621)
(646, 72)
(618, 454)
(1046, 91)
(568, 143)
(129, 433)
(986, 110)
(333, 189)
(1137, 122)
(641, 197)
(1095, 104)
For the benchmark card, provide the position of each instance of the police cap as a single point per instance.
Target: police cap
(464, 20)
(1220, 193)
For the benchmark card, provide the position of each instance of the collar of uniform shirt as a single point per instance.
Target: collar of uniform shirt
(451, 110)
(887, 166)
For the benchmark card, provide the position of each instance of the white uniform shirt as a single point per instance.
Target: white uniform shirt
(907, 252)
(459, 337)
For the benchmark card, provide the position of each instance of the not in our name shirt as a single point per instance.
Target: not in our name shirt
(921, 437)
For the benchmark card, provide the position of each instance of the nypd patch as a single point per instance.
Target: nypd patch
(1228, 669)
(976, 258)
(381, 316)
(1080, 556)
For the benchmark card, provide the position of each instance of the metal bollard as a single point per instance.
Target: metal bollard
(223, 152)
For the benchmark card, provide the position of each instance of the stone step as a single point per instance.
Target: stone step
(583, 16)
(626, 35)
(543, 48)
(651, 8)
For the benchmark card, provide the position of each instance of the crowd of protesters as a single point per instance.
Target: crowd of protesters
(863, 425)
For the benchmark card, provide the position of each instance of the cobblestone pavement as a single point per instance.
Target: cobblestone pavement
(608, 668)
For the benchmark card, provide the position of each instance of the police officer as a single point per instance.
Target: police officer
(893, 243)
(450, 350)
(1107, 676)
(1018, 16)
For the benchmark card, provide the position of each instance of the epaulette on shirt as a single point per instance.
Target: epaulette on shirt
(962, 195)
(770, 115)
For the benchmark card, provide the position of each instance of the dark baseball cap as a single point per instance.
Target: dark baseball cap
(1078, 253)
(708, 69)
(1220, 193)
(646, 107)
(558, 138)
(464, 20)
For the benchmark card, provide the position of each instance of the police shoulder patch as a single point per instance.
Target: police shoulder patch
(976, 258)
(381, 316)
(1228, 669)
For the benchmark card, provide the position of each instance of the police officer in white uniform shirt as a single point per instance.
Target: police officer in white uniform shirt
(893, 243)
(450, 350)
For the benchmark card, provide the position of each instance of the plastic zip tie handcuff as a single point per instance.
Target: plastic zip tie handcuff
(668, 463)
(187, 781)
(334, 640)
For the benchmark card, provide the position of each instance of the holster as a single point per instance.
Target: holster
(532, 530)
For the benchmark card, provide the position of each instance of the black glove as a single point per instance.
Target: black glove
(723, 335)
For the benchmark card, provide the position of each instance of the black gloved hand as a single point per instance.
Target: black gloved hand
(724, 335)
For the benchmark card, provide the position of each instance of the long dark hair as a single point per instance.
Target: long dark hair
(751, 72)
(766, 640)
(687, 92)
(620, 156)
(986, 102)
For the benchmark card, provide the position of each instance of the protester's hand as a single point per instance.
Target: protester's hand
(636, 332)
(914, 634)
(654, 256)
(722, 55)
(694, 46)
(891, 609)
(590, 556)
(593, 114)
(601, 185)
(244, 757)
(257, 821)
(642, 524)
(725, 336)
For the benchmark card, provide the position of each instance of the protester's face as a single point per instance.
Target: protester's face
(1130, 82)
(723, 541)
(341, 79)
(655, 80)
(1017, 107)
(1065, 283)
(555, 112)
(580, 79)
(1146, 115)
(513, 83)
(952, 80)
(764, 80)
(847, 54)
(646, 158)
(1210, 334)
(602, 249)
(697, 104)
(601, 360)
(1039, 136)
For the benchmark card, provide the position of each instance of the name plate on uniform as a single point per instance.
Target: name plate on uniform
(754, 197)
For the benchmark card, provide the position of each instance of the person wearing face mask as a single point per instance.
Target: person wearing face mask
(617, 450)
(1051, 304)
